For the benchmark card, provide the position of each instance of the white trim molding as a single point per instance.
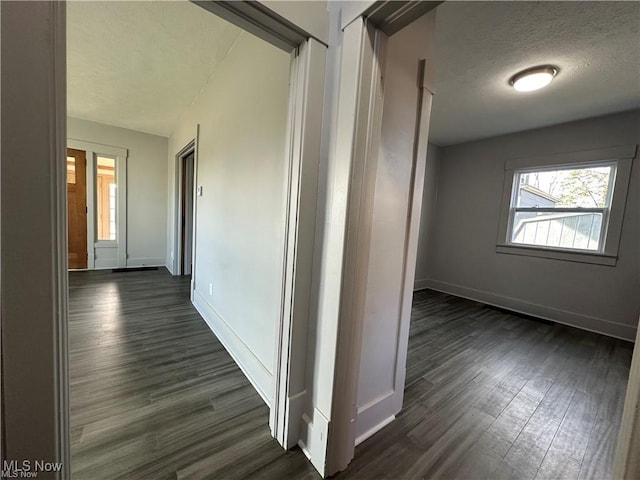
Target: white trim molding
(251, 366)
(177, 199)
(374, 429)
(145, 262)
(303, 159)
(557, 254)
(573, 319)
(626, 464)
(314, 432)
(355, 126)
(60, 246)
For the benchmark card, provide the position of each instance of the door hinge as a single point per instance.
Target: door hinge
(86, 209)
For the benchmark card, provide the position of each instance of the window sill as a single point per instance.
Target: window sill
(541, 252)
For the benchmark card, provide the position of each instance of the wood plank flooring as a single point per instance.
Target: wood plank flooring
(491, 395)
(154, 395)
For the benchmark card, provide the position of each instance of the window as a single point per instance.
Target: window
(106, 197)
(567, 206)
(71, 170)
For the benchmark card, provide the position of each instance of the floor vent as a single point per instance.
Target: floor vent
(133, 269)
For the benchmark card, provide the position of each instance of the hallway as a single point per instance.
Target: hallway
(154, 395)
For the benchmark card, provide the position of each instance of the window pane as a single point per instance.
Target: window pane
(106, 197)
(71, 170)
(563, 229)
(574, 188)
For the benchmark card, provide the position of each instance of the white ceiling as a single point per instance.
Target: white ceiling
(139, 65)
(480, 45)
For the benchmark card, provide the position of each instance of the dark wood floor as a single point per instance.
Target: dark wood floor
(154, 395)
(492, 395)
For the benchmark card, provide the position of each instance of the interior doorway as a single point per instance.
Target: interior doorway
(77, 208)
(187, 169)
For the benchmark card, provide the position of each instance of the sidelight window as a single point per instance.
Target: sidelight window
(106, 196)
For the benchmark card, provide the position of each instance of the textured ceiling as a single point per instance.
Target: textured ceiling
(480, 45)
(139, 65)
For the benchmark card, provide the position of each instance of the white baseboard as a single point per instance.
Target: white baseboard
(251, 366)
(374, 429)
(295, 407)
(169, 266)
(376, 414)
(420, 284)
(145, 262)
(584, 322)
(313, 440)
(105, 264)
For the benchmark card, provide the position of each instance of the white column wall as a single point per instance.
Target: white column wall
(386, 320)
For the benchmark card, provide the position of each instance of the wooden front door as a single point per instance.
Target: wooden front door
(77, 207)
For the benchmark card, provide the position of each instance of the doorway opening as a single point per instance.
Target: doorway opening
(185, 212)
(97, 205)
(251, 177)
(471, 366)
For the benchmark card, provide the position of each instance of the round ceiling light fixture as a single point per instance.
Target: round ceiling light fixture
(533, 78)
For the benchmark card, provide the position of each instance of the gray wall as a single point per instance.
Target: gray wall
(429, 196)
(462, 257)
(146, 186)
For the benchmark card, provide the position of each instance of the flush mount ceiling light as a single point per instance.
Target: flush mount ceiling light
(533, 78)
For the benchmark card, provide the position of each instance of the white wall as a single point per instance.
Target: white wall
(430, 192)
(462, 259)
(146, 186)
(240, 220)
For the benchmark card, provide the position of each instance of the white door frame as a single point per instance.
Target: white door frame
(177, 198)
(120, 155)
(626, 463)
(303, 153)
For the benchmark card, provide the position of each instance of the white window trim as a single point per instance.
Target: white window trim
(622, 156)
(120, 176)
